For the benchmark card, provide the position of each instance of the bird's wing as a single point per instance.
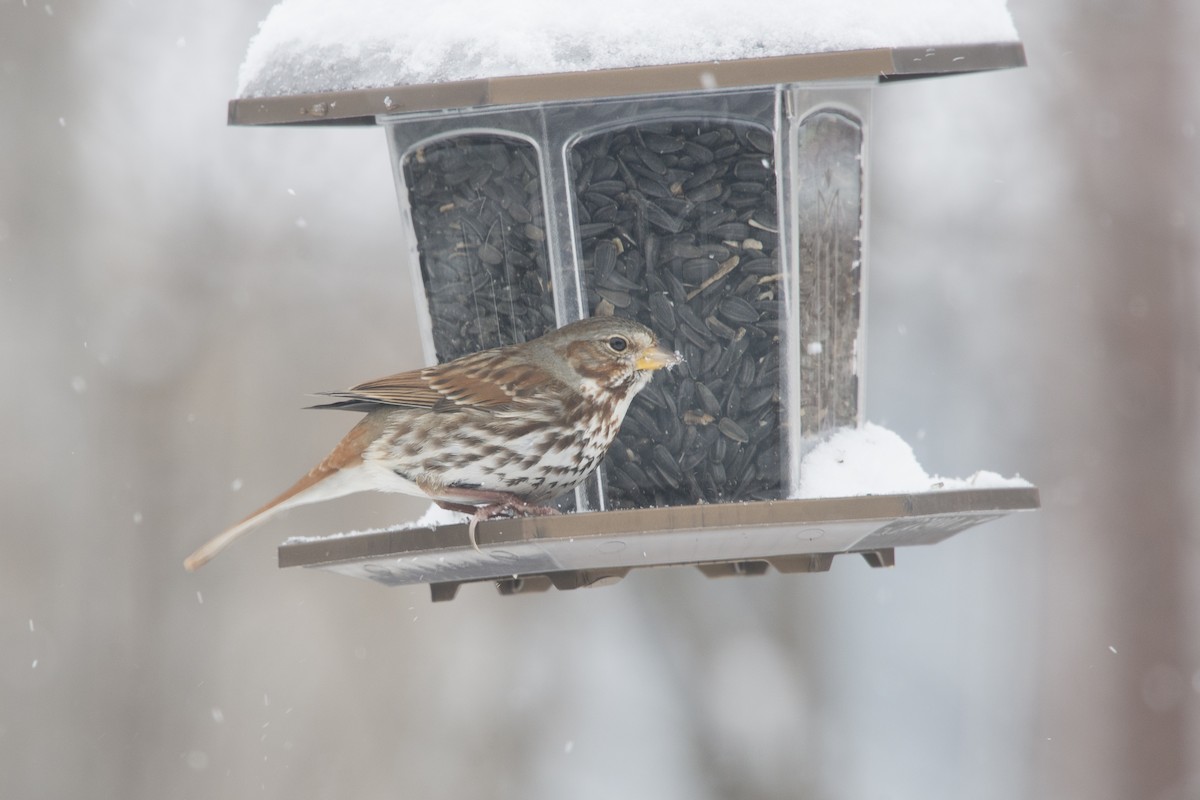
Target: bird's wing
(489, 380)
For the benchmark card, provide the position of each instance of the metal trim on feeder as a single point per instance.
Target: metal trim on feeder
(362, 106)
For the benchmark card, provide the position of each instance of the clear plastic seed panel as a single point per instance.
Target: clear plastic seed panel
(677, 229)
(477, 213)
(831, 217)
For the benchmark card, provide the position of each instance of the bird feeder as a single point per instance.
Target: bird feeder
(723, 204)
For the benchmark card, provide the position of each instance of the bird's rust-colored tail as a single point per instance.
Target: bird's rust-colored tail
(329, 479)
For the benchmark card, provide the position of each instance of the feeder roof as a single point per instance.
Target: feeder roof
(356, 59)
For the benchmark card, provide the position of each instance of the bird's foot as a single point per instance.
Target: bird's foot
(500, 505)
(514, 507)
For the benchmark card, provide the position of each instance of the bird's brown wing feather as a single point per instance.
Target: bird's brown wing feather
(484, 380)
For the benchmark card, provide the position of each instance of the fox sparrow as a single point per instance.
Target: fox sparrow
(501, 431)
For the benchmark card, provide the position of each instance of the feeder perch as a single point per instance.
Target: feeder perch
(722, 204)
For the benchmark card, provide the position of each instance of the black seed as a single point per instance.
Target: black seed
(637, 475)
(688, 317)
(656, 216)
(732, 230)
(638, 414)
(702, 176)
(615, 280)
(663, 144)
(706, 192)
(758, 266)
(653, 161)
(519, 213)
(605, 257)
(753, 169)
(738, 311)
(691, 459)
(693, 336)
(666, 464)
(490, 255)
(719, 328)
(652, 187)
(615, 296)
(621, 478)
(726, 151)
(708, 400)
(739, 459)
(594, 228)
(708, 361)
(662, 312)
(733, 402)
(768, 425)
(633, 428)
(746, 187)
(685, 249)
(758, 398)
(698, 152)
(760, 140)
(675, 289)
(745, 372)
(609, 188)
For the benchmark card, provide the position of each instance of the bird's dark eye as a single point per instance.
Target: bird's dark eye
(618, 344)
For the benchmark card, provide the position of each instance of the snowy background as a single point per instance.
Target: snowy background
(170, 289)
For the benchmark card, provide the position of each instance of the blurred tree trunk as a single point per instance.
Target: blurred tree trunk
(1114, 716)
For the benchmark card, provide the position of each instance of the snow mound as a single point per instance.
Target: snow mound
(874, 460)
(315, 45)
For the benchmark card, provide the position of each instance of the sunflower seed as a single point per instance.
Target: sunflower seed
(698, 152)
(706, 192)
(758, 398)
(653, 162)
(663, 144)
(636, 474)
(618, 298)
(615, 280)
(665, 462)
(732, 429)
(594, 229)
(656, 216)
(708, 400)
(662, 312)
(738, 311)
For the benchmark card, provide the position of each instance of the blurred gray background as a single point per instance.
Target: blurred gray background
(170, 288)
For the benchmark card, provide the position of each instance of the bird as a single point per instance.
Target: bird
(494, 433)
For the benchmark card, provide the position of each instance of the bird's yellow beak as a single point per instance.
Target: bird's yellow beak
(656, 358)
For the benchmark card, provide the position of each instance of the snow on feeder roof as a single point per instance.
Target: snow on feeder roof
(366, 57)
(698, 168)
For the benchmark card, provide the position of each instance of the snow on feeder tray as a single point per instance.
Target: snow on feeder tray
(720, 202)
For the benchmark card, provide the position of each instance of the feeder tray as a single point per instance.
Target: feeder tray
(532, 554)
